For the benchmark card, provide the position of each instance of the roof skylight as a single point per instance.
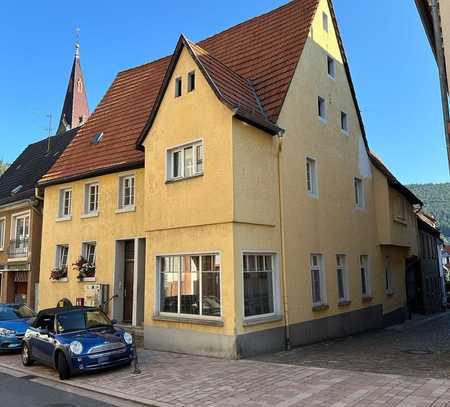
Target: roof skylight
(97, 138)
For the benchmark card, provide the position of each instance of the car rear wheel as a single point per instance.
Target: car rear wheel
(63, 367)
(26, 356)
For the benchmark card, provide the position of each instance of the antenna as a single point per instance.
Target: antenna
(49, 116)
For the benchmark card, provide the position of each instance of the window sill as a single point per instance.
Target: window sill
(187, 320)
(360, 208)
(367, 298)
(64, 219)
(313, 195)
(331, 77)
(171, 181)
(323, 120)
(320, 307)
(344, 303)
(89, 215)
(87, 279)
(61, 280)
(127, 209)
(261, 320)
(344, 132)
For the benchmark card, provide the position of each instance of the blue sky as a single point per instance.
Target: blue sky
(391, 63)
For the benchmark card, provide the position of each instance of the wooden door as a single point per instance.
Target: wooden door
(128, 281)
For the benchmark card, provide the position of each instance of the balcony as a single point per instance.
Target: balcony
(18, 248)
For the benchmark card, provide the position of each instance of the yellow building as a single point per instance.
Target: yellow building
(263, 217)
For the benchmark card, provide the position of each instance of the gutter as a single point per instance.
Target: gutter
(282, 239)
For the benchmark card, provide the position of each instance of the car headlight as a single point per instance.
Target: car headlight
(76, 347)
(7, 332)
(128, 338)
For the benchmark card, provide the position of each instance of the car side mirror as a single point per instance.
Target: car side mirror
(114, 321)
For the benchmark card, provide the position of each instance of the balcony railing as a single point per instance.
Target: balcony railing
(18, 248)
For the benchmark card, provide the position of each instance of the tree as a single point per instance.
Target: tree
(3, 167)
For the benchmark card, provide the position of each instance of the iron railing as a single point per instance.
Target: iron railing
(18, 248)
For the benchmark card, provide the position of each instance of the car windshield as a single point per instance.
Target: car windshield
(80, 320)
(15, 312)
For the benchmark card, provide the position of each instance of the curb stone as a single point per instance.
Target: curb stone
(99, 390)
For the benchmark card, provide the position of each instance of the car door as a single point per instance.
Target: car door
(43, 342)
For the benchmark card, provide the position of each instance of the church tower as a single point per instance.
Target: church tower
(75, 110)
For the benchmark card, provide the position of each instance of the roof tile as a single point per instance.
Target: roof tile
(257, 55)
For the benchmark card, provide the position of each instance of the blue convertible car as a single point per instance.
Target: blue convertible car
(75, 340)
(14, 321)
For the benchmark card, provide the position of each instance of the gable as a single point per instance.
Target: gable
(264, 50)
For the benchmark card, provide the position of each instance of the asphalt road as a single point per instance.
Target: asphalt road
(25, 392)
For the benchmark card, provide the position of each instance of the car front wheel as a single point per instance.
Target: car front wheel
(63, 367)
(26, 356)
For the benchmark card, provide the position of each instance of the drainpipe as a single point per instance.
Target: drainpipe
(442, 74)
(283, 259)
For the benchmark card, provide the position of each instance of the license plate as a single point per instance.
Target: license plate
(103, 359)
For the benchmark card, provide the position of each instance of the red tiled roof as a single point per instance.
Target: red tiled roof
(262, 52)
(237, 91)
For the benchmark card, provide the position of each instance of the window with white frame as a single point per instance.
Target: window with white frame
(185, 161)
(62, 253)
(325, 21)
(190, 285)
(317, 280)
(359, 192)
(331, 67)
(259, 284)
(321, 108)
(365, 278)
(65, 203)
(91, 199)
(342, 277)
(344, 122)
(2, 232)
(21, 228)
(387, 275)
(311, 176)
(88, 252)
(126, 192)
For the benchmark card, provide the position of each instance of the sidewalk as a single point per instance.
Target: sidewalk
(169, 379)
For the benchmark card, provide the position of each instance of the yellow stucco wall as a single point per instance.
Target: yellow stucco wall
(329, 224)
(191, 215)
(104, 229)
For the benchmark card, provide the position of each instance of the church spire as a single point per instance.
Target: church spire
(75, 110)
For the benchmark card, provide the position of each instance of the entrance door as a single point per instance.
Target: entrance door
(128, 281)
(20, 292)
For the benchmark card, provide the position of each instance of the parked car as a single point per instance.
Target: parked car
(75, 340)
(15, 319)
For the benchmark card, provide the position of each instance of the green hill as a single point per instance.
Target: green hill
(436, 198)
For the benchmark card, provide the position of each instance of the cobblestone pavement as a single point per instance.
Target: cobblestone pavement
(170, 379)
(422, 351)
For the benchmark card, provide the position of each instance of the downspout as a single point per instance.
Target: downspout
(283, 257)
(442, 74)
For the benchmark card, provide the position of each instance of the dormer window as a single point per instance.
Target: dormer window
(191, 81)
(16, 190)
(178, 87)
